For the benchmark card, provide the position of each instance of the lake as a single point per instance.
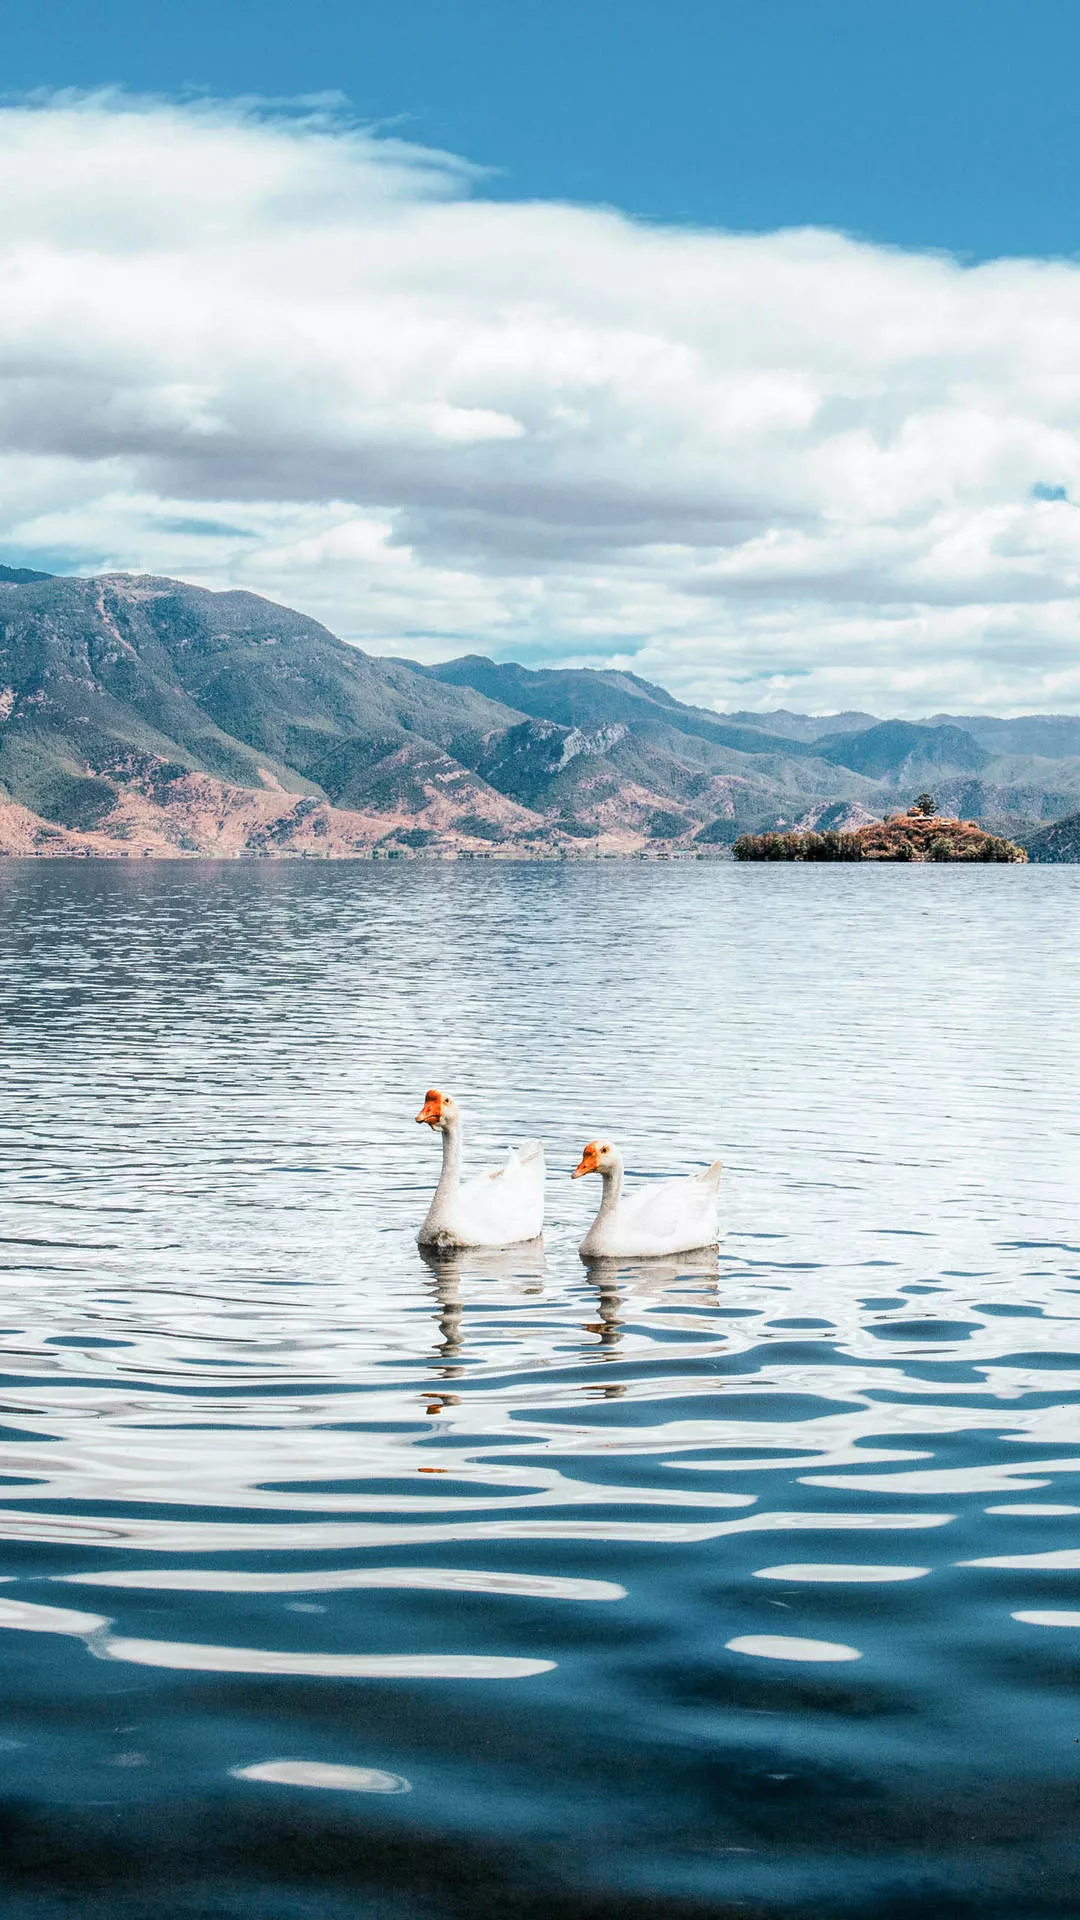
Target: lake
(338, 1584)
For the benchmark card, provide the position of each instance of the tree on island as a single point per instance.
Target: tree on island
(925, 804)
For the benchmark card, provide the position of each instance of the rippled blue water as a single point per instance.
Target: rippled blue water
(335, 1584)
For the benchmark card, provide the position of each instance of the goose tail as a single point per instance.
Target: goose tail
(710, 1177)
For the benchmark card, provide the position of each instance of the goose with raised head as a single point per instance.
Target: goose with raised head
(495, 1209)
(663, 1216)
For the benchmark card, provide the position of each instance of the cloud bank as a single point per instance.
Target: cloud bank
(278, 351)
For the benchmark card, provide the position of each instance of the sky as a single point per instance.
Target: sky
(733, 341)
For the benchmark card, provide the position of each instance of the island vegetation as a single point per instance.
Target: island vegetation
(920, 834)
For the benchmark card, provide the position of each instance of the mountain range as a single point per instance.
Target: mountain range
(144, 715)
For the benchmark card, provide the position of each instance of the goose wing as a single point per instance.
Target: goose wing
(507, 1203)
(663, 1210)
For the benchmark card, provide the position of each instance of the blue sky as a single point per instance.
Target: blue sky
(734, 343)
(926, 123)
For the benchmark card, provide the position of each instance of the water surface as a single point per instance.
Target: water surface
(334, 1583)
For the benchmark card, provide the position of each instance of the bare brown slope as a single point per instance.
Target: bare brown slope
(194, 814)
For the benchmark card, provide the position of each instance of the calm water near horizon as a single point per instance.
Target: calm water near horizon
(335, 1585)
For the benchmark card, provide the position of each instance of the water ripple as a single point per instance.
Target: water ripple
(341, 1502)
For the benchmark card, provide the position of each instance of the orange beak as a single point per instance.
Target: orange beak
(587, 1163)
(431, 1112)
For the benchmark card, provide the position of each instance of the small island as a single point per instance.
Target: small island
(920, 834)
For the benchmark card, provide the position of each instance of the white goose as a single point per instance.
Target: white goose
(496, 1209)
(664, 1216)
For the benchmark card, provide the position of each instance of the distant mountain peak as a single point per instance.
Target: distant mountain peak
(23, 576)
(903, 751)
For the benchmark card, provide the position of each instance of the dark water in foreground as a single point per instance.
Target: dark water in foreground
(336, 1586)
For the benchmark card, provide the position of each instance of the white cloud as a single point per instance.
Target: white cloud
(274, 350)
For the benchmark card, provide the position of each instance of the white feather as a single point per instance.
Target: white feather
(661, 1217)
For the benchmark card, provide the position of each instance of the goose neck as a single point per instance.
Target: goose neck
(611, 1180)
(451, 1156)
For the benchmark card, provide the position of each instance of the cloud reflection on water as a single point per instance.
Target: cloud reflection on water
(325, 1774)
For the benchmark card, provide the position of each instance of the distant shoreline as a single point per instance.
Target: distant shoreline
(367, 857)
(448, 859)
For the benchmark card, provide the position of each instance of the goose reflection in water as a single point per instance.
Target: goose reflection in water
(670, 1283)
(524, 1267)
(678, 1281)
